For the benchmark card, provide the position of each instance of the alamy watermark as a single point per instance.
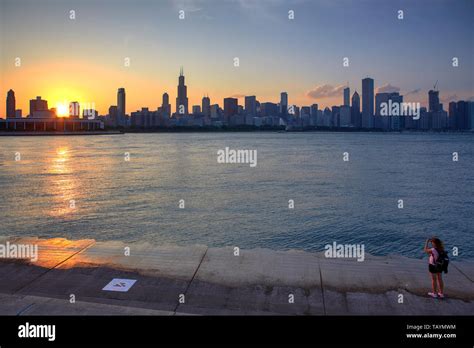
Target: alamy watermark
(345, 251)
(391, 108)
(233, 156)
(19, 251)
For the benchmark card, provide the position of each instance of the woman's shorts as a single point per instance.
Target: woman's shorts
(433, 269)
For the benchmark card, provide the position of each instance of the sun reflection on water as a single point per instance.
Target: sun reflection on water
(62, 184)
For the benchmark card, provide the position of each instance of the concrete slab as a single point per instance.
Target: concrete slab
(87, 283)
(257, 299)
(16, 274)
(63, 307)
(215, 282)
(35, 305)
(465, 267)
(15, 305)
(335, 303)
(260, 266)
(381, 274)
(159, 261)
(358, 303)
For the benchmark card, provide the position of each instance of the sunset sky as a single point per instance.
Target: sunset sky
(83, 59)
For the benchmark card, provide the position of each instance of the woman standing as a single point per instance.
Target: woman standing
(436, 252)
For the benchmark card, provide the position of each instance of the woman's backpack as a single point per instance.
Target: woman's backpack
(442, 261)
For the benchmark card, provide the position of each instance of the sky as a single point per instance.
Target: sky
(82, 59)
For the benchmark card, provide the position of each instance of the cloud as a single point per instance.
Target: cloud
(325, 91)
(415, 91)
(388, 88)
(187, 5)
(263, 9)
(449, 98)
(193, 7)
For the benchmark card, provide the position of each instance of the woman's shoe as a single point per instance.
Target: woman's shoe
(440, 295)
(432, 294)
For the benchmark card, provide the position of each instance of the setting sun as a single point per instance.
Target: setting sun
(62, 110)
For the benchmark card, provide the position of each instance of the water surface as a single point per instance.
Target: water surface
(346, 202)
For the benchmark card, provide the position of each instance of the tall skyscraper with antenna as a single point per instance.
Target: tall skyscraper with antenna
(182, 99)
(206, 106)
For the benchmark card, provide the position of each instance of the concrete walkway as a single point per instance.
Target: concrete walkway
(215, 282)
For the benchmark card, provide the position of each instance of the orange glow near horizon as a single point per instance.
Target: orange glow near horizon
(61, 82)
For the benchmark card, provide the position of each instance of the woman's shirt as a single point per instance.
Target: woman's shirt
(433, 256)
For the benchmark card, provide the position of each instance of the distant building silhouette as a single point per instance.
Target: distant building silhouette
(433, 101)
(121, 107)
(269, 109)
(166, 106)
(452, 111)
(314, 115)
(113, 116)
(38, 107)
(347, 93)
(206, 106)
(368, 103)
(182, 99)
(215, 111)
(251, 105)
(355, 111)
(284, 103)
(386, 122)
(196, 109)
(11, 104)
(344, 116)
(230, 109)
(462, 115)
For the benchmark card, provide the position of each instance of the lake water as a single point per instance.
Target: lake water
(236, 205)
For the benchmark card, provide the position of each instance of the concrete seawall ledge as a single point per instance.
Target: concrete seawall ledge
(216, 282)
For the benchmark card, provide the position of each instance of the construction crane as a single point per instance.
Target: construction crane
(434, 87)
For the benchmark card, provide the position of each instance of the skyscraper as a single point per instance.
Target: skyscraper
(38, 104)
(206, 106)
(452, 115)
(355, 110)
(347, 93)
(251, 105)
(121, 106)
(112, 119)
(462, 115)
(368, 103)
(387, 122)
(11, 104)
(165, 105)
(283, 103)
(230, 108)
(196, 109)
(433, 101)
(182, 99)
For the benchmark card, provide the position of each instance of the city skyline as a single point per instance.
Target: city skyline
(345, 97)
(381, 111)
(308, 65)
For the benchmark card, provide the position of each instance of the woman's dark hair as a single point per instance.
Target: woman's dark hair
(438, 244)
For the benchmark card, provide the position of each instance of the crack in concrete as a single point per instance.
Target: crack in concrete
(464, 274)
(49, 270)
(322, 287)
(192, 278)
(21, 311)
